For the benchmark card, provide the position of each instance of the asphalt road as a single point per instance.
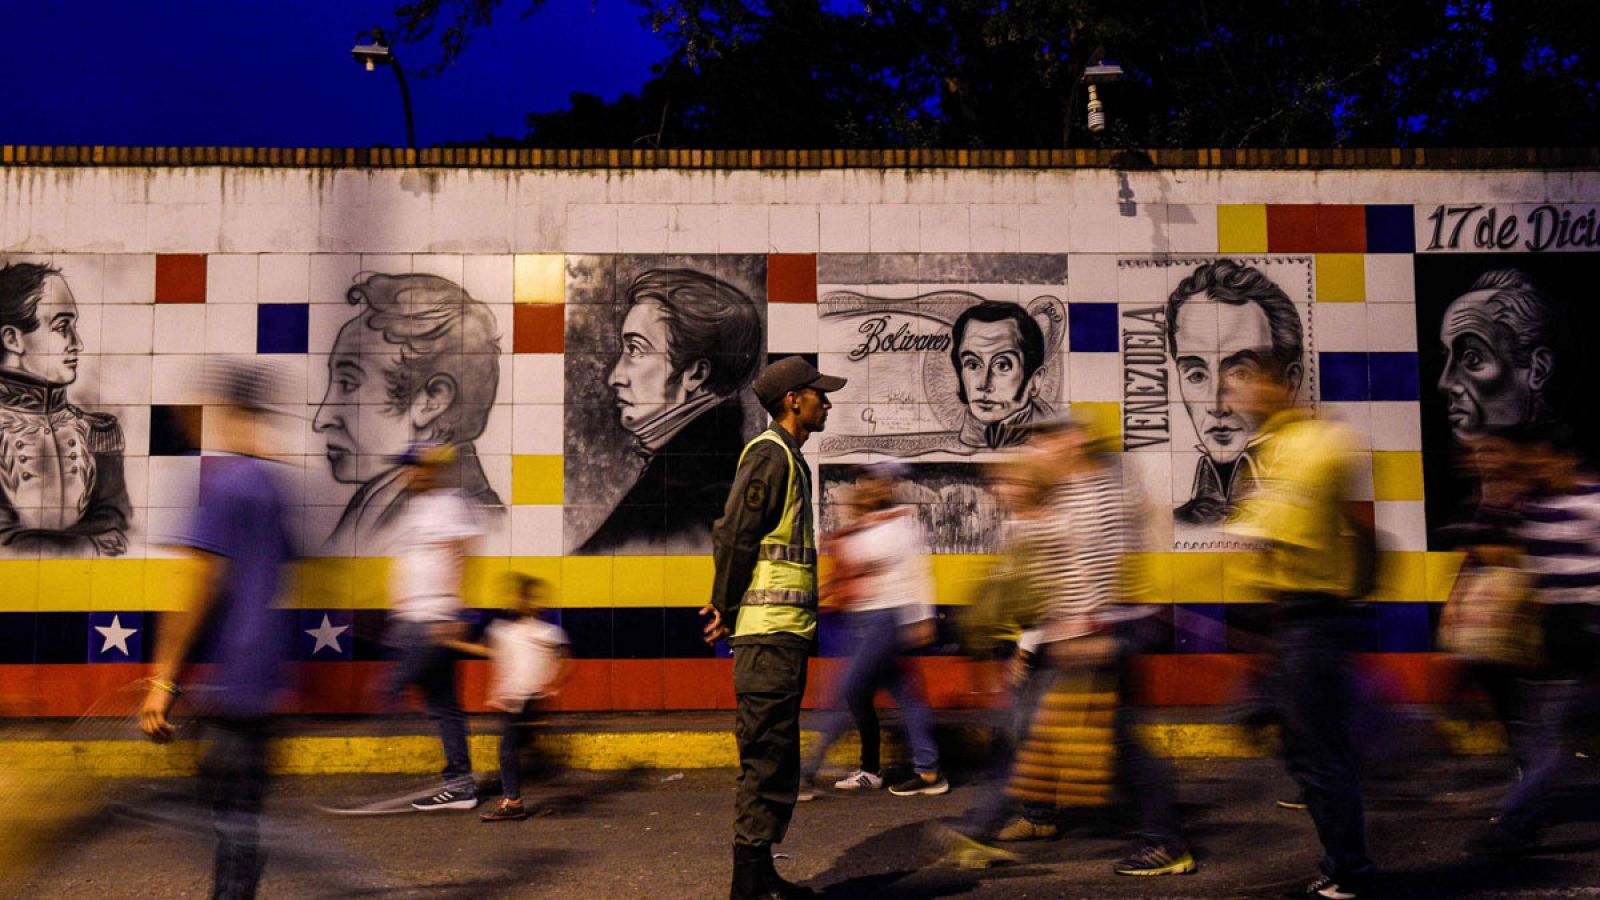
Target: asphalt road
(660, 834)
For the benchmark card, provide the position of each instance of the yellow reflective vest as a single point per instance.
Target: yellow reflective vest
(782, 596)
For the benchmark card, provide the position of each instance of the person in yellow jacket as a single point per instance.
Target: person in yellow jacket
(764, 600)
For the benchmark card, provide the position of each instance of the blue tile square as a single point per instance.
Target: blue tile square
(1092, 327)
(324, 635)
(116, 637)
(1394, 376)
(1199, 628)
(1403, 627)
(16, 637)
(283, 327)
(1343, 376)
(1391, 229)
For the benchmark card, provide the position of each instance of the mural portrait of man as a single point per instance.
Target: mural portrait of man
(998, 350)
(61, 476)
(1498, 341)
(689, 344)
(420, 361)
(1227, 322)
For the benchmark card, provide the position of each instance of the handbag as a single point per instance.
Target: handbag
(1493, 616)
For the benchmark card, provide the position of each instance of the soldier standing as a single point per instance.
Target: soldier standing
(765, 585)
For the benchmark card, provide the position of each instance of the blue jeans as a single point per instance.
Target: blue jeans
(876, 664)
(419, 661)
(1313, 665)
(512, 728)
(233, 776)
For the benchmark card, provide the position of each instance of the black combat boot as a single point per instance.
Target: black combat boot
(750, 868)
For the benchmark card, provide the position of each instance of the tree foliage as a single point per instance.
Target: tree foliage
(1005, 73)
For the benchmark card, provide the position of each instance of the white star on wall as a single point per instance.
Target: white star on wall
(327, 635)
(115, 636)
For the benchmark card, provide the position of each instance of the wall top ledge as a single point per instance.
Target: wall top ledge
(919, 158)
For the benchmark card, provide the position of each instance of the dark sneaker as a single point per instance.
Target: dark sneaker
(919, 784)
(505, 811)
(1328, 888)
(448, 799)
(1153, 860)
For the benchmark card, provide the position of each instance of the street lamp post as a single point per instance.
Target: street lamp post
(375, 52)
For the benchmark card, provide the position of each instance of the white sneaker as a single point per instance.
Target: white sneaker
(859, 780)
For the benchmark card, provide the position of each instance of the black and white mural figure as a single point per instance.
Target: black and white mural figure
(61, 477)
(1225, 322)
(1498, 341)
(687, 346)
(957, 514)
(419, 361)
(948, 371)
(998, 351)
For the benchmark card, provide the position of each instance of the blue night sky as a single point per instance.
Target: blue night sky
(279, 72)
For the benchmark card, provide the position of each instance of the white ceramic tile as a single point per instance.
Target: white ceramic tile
(230, 328)
(127, 328)
(85, 274)
(1192, 228)
(136, 477)
(1095, 227)
(444, 265)
(283, 278)
(1142, 228)
(893, 228)
(129, 278)
(1391, 327)
(320, 522)
(1361, 478)
(1094, 377)
(536, 531)
(1390, 278)
(1356, 416)
(591, 228)
(177, 379)
(537, 428)
(180, 327)
(944, 228)
(742, 229)
(1341, 326)
(231, 278)
(497, 471)
(1397, 425)
(536, 378)
(845, 228)
(1045, 227)
(792, 328)
(488, 278)
(116, 378)
(1140, 283)
(387, 263)
(330, 277)
(694, 229)
(994, 228)
(164, 528)
(794, 228)
(496, 540)
(174, 481)
(643, 228)
(1401, 524)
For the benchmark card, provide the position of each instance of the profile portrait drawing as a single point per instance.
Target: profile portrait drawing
(62, 491)
(419, 361)
(689, 344)
(998, 350)
(1226, 322)
(1498, 340)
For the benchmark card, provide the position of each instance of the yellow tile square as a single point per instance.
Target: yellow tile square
(687, 580)
(117, 584)
(1402, 577)
(547, 568)
(956, 576)
(1341, 278)
(1197, 577)
(586, 580)
(1241, 228)
(638, 580)
(484, 584)
(169, 584)
(536, 480)
(1150, 577)
(369, 582)
(322, 583)
(539, 278)
(21, 580)
(1439, 575)
(1105, 421)
(1240, 579)
(65, 585)
(1397, 475)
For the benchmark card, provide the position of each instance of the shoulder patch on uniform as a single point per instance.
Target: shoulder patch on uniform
(105, 433)
(755, 494)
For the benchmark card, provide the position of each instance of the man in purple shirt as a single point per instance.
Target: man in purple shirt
(239, 540)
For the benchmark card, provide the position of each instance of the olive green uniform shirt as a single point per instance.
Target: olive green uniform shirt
(754, 508)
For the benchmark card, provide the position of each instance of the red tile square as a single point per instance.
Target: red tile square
(1340, 229)
(792, 278)
(588, 689)
(637, 684)
(538, 328)
(698, 684)
(180, 278)
(1292, 228)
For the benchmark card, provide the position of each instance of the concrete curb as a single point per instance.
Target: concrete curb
(665, 749)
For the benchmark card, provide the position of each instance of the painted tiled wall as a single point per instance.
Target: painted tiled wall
(171, 266)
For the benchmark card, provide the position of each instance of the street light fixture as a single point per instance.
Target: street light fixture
(375, 51)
